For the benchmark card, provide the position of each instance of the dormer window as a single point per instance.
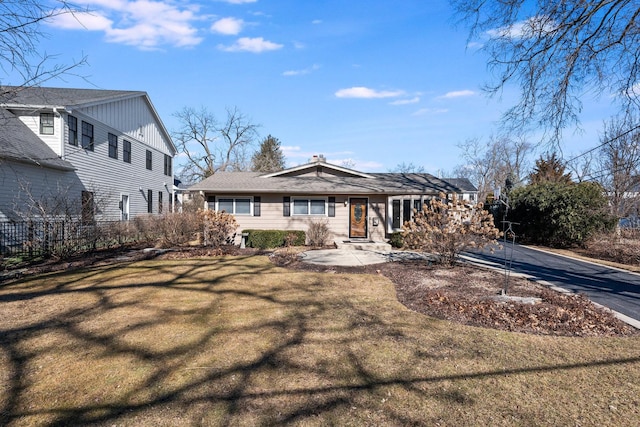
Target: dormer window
(46, 123)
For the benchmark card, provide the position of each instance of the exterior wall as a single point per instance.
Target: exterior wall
(20, 182)
(32, 120)
(111, 178)
(271, 216)
(133, 117)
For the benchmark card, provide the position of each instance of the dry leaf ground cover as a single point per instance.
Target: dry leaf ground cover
(239, 341)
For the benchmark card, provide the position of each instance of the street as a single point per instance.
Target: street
(610, 287)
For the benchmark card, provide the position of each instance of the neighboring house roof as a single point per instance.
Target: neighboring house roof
(14, 97)
(19, 144)
(381, 183)
(462, 183)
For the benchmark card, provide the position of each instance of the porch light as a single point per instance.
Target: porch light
(346, 202)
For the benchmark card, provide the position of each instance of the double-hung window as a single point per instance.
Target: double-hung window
(73, 130)
(235, 205)
(113, 146)
(46, 123)
(316, 207)
(149, 160)
(126, 151)
(87, 136)
(168, 167)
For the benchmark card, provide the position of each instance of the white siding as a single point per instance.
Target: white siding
(133, 117)
(32, 120)
(110, 178)
(19, 181)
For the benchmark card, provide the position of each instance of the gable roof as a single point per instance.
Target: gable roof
(15, 97)
(19, 144)
(376, 183)
(20, 97)
(318, 164)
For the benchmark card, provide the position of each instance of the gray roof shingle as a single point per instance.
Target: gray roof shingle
(18, 143)
(380, 183)
(13, 96)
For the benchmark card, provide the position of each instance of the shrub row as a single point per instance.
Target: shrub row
(264, 239)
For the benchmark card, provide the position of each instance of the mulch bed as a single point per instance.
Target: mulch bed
(467, 295)
(462, 294)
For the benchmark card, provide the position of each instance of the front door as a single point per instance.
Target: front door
(358, 218)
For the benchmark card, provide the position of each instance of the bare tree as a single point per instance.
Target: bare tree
(556, 51)
(408, 168)
(20, 33)
(210, 146)
(489, 163)
(619, 165)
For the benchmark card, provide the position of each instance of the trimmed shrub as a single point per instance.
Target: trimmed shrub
(396, 239)
(266, 239)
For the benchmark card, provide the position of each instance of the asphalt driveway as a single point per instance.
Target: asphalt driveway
(616, 289)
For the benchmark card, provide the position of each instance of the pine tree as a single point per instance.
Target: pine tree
(269, 158)
(549, 169)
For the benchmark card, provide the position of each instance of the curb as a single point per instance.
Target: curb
(493, 266)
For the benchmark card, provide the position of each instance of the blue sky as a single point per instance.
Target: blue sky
(376, 83)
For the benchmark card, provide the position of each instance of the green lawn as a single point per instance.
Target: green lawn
(237, 341)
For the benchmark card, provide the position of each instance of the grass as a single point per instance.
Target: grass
(237, 341)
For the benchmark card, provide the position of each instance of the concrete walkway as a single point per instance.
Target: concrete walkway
(352, 258)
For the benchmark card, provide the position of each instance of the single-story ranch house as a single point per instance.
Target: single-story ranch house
(355, 205)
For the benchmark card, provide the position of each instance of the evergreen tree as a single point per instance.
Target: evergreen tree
(269, 158)
(549, 169)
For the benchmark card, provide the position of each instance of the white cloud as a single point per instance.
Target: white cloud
(251, 44)
(142, 23)
(228, 26)
(430, 111)
(524, 29)
(302, 72)
(239, 1)
(414, 100)
(366, 93)
(458, 94)
(316, 21)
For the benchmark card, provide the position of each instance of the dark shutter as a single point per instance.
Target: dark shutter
(256, 205)
(286, 206)
(332, 206)
(211, 203)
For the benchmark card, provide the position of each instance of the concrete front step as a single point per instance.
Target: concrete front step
(363, 245)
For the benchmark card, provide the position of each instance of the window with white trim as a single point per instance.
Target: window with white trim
(309, 206)
(401, 209)
(46, 124)
(235, 205)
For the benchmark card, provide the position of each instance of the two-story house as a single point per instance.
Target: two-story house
(104, 153)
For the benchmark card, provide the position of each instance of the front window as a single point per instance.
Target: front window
(73, 131)
(235, 205)
(403, 209)
(149, 160)
(87, 136)
(113, 146)
(310, 207)
(46, 123)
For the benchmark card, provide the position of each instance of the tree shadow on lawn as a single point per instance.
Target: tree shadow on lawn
(235, 340)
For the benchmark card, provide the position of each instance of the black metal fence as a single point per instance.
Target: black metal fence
(32, 239)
